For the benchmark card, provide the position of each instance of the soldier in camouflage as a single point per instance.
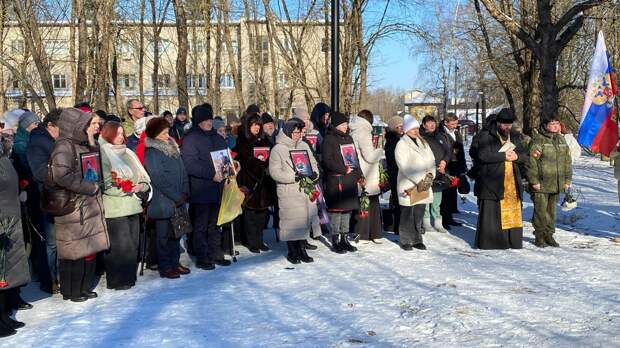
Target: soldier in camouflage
(549, 173)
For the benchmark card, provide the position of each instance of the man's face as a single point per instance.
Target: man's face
(268, 128)
(430, 126)
(504, 128)
(451, 125)
(553, 127)
(53, 130)
(136, 110)
(170, 119)
(206, 125)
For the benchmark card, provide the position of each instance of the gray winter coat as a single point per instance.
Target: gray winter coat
(297, 213)
(17, 272)
(83, 232)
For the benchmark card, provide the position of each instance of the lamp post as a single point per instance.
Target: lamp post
(335, 61)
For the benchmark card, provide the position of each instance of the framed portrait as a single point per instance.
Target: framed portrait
(375, 140)
(312, 140)
(349, 155)
(91, 166)
(301, 162)
(223, 163)
(261, 153)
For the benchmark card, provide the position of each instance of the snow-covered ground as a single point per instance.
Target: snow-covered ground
(381, 296)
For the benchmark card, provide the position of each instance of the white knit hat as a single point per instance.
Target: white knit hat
(410, 123)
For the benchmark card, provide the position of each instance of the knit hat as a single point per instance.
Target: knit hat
(302, 114)
(266, 118)
(155, 126)
(291, 125)
(181, 110)
(28, 118)
(140, 125)
(202, 113)
(339, 118)
(505, 115)
(218, 123)
(394, 122)
(409, 123)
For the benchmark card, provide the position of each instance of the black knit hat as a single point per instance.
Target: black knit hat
(156, 126)
(506, 115)
(339, 118)
(202, 113)
(291, 125)
(266, 118)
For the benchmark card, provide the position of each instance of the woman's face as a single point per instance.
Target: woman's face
(120, 137)
(326, 118)
(94, 125)
(255, 128)
(222, 131)
(163, 136)
(343, 127)
(296, 135)
(414, 133)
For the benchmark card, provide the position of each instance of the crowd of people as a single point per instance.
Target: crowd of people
(92, 193)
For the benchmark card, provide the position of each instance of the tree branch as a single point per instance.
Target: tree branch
(574, 11)
(510, 24)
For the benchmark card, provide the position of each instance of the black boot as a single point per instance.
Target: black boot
(293, 254)
(539, 241)
(344, 243)
(309, 246)
(303, 255)
(336, 245)
(550, 240)
(5, 329)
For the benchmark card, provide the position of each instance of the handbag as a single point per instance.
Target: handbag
(56, 200)
(180, 221)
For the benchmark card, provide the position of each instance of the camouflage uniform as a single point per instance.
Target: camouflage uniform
(550, 166)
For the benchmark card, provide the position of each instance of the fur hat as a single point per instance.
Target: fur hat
(155, 126)
(394, 122)
(409, 123)
(202, 113)
(339, 118)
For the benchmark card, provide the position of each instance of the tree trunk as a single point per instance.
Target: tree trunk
(218, 63)
(141, 51)
(82, 54)
(232, 60)
(118, 100)
(155, 44)
(548, 84)
(181, 64)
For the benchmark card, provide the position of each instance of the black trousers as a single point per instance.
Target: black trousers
(168, 252)
(449, 203)
(410, 230)
(253, 223)
(207, 236)
(121, 259)
(151, 242)
(370, 227)
(76, 276)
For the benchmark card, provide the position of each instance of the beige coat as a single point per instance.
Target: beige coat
(414, 162)
(369, 157)
(297, 214)
(615, 157)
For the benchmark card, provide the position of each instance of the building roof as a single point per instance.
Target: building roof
(422, 98)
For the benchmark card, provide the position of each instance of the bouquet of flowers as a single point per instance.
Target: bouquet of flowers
(384, 183)
(307, 186)
(124, 185)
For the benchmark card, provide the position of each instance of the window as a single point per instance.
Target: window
(196, 81)
(125, 50)
(235, 47)
(198, 46)
(262, 49)
(163, 79)
(127, 81)
(227, 81)
(17, 47)
(59, 81)
(282, 80)
(324, 45)
(56, 47)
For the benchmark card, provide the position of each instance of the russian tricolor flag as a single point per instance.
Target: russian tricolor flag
(598, 130)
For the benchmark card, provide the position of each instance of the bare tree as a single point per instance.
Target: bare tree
(181, 64)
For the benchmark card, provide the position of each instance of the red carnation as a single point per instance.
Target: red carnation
(314, 195)
(126, 186)
(3, 284)
(455, 181)
(23, 183)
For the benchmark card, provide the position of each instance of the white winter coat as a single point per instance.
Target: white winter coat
(297, 213)
(369, 157)
(414, 162)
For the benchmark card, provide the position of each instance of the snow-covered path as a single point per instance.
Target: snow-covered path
(450, 295)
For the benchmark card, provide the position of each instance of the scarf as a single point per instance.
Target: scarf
(125, 163)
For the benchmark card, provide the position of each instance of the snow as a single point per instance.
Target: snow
(381, 296)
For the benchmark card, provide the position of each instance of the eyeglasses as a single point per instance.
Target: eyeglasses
(296, 132)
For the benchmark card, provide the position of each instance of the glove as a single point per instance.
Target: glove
(298, 176)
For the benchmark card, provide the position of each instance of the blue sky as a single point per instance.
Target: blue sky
(394, 66)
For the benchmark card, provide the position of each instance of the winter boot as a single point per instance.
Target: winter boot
(303, 255)
(309, 246)
(438, 225)
(7, 324)
(540, 241)
(426, 224)
(420, 246)
(551, 241)
(344, 243)
(293, 254)
(336, 247)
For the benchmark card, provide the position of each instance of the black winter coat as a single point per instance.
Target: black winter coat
(169, 180)
(196, 153)
(40, 148)
(439, 145)
(490, 164)
(457, 164)
(254, 173)
(391, 139)
(341, 192)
